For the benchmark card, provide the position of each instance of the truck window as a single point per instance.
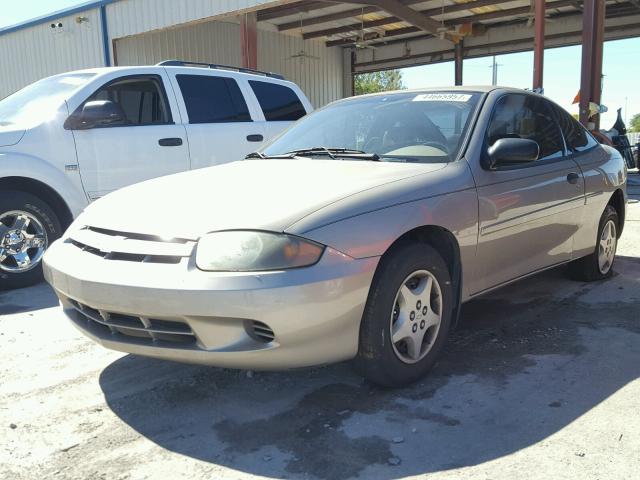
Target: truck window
(212, 99)
(278, 103)
(141, 99)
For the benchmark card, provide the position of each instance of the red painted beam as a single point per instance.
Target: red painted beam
(458, 54)
(538, 44)
(249, 40)
(591, 68)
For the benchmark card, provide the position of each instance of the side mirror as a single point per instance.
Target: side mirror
(510, 151)
(96, 113)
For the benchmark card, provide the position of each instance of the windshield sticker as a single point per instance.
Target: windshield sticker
(442, 97)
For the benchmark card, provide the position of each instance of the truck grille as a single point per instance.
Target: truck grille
(130, 247)
(150, 329)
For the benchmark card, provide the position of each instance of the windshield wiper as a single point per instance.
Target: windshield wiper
(332, 153)
(335, 152)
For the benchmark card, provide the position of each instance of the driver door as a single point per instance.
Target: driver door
(145, 145)
(528, 213)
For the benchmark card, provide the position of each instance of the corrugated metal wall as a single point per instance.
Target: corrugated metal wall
(130, 17)
(219, 42)
(39, 51)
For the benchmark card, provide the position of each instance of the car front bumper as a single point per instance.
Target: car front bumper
(267, 320)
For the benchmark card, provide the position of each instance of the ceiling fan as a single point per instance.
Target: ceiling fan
(531, 16)
(363, 37)
(302, 54)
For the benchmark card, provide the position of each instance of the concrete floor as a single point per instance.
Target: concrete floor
(541, 380)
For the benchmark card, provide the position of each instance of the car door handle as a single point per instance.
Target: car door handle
(255, 138)
(573, 178)
(170, 142)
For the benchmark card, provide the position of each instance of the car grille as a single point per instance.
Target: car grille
(130, 247)
(148, 330)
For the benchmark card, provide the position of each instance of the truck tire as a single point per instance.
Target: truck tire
(27, 227)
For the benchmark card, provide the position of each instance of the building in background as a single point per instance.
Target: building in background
(319, 45)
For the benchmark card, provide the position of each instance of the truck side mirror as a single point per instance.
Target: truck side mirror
(96, 114)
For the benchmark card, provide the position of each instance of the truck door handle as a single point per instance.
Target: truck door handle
(573, 178)
(255, 138)
(170, 142)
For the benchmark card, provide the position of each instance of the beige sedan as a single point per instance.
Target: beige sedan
(357, 234)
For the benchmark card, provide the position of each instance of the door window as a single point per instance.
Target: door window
(141, 99)
(212, 99)
(526, 116)
(278, 103)
(576, 136)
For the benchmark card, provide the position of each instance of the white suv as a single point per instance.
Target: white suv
(69, 139)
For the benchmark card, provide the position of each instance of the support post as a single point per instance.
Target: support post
(249, 39)
(591, 68)
(458, 54)
(538, 45)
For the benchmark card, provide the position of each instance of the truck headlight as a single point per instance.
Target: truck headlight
(248, 251)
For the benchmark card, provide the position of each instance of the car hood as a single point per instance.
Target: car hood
(249, 194)
(10, 135)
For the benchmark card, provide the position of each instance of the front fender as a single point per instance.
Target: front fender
(66, 184)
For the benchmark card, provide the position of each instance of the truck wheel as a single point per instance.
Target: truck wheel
(599, 264)
(27, 227)
(407, 317)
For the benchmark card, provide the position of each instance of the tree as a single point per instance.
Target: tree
(378, 82)
(634, 124)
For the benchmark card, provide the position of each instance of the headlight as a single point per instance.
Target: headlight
(247, 251)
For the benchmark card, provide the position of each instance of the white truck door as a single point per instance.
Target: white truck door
(150, 140)
(280, 104)
(220, 125)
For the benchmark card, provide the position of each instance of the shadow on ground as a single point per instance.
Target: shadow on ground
(27, 299)
(520, 367)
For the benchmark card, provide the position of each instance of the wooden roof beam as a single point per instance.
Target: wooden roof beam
(290, 9)
(389, 20)
(407, 14)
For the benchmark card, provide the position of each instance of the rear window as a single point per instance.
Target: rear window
(278, 103)
(213, 99)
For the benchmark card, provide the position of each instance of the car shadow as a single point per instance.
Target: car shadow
(27, 299)
(522, 364)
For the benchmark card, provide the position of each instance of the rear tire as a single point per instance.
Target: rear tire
(400, 336)
(24, 218)
(599, 265)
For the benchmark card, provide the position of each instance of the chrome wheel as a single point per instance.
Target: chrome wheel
(416, 316)
(607, 247)
(23, 241)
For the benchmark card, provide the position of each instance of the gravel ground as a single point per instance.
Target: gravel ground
(540, 380)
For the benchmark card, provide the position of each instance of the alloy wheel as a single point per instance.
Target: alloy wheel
(23, 241)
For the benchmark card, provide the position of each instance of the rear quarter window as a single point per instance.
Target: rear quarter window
(278, 103)
(211, 99)
(576, 136)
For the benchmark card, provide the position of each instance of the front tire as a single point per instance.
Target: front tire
(599, 265)
(407, 316)
(27, 227)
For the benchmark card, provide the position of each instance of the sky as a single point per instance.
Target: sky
(621, 70)
(621, 66)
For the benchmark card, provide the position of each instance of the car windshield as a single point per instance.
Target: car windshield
(404, 127)
(40, 100)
